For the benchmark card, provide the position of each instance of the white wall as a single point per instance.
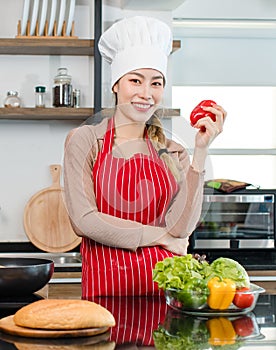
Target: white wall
(225, 61)
(226, 9)
(226, 56)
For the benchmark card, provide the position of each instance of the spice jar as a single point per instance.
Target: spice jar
(12, 100)
(40, 96)
(76, 98)
(62, 90)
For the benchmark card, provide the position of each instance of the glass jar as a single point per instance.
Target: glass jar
(12, 100)
(62, 89)
(76, 98)
(40, 96)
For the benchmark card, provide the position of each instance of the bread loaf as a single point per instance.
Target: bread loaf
(63, 314)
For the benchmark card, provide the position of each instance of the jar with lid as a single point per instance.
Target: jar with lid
(40, 96)
(62, 89)
(12, 100)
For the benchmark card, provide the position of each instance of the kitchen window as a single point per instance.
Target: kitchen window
(246, 150)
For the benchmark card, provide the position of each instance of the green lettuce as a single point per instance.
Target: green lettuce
(176, 271)
(229, 268)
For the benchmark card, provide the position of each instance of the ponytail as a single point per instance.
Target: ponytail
(157, 136)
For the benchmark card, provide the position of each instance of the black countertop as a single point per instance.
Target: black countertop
(148, 323)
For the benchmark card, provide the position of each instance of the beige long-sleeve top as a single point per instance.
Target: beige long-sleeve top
(81, 149)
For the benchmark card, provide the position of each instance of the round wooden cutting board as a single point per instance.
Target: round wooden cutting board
(7, 325)
(46, 220)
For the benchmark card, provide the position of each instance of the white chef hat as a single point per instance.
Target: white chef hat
(135, 43)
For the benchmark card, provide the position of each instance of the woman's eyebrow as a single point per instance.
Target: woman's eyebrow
(142, 76)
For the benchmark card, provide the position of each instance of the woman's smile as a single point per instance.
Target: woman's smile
(142, 107)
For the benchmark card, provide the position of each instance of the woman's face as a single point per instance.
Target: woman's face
(139, 93)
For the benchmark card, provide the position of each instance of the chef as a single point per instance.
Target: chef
(131, 192)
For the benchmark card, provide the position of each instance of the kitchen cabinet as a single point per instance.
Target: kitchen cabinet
(65, 285)
(265, 279)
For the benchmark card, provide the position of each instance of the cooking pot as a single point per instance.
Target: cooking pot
(24, 276)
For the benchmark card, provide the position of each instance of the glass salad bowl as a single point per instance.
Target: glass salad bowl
(196, 304)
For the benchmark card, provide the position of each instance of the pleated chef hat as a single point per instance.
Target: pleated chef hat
(135, 43)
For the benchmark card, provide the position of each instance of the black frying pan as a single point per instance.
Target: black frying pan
(24, 276)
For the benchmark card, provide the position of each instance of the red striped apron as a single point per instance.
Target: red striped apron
(139, 189)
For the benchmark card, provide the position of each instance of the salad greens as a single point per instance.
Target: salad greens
(229, 268)
(177, 271)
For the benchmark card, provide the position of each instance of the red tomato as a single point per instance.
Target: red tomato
(244, 326)
(198, 113)
(243, 300)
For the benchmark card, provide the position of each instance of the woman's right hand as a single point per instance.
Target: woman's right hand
(211, 128)
(175, 245)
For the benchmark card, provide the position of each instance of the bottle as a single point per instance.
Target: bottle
(40, 96)
(62, 89)
(12, 100)
(76, 98)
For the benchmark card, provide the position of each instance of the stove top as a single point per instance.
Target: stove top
(9, 305)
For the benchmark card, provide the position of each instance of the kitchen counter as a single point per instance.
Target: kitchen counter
(148, 323)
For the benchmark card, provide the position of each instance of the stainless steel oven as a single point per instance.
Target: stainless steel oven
(240, 220)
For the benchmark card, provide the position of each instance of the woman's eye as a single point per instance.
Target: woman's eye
(157, 83)
(136, 81)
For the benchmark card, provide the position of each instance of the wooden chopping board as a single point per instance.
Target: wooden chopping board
(46, 220)
(7, 325)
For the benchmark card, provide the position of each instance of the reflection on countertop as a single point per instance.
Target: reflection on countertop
(149, 323)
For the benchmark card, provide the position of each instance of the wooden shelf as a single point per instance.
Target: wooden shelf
(176, 45)
(66, 113)
(53, 46)
(59, 113)
(47, 46)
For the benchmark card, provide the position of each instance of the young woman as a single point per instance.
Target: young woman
(131, 193)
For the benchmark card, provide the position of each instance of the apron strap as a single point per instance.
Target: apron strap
(108, 137)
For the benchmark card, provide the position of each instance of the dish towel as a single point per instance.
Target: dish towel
(226, 185)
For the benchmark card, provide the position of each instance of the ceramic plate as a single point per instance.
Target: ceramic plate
(70, 16)
(25, 16)
(42, 16)
(34, 16)
(60, 16)
(52, 9)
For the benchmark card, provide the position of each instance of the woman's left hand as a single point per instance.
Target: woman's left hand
(208, 129)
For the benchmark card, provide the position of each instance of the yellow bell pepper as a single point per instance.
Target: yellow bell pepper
(222, 292)
(221, 331)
